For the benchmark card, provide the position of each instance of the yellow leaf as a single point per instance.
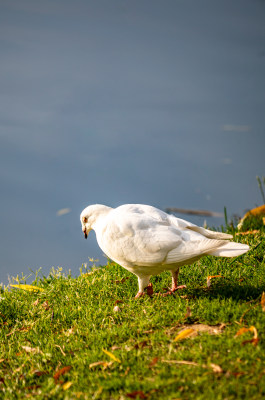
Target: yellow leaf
(111, 355)
(241, 331)
(29, 288)
(185, 333)
(67, 385)
(255, 332)
(250, 329)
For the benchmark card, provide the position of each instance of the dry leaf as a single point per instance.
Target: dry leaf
(140, 345)
(68, 332)
(153, 362)
(137, 393)
(25, 329)
(111, 355)
(105, 364)
(45, 305)
(262, 302)
(39, 373)
(62, 371)
(1, 360)
(216, 368)
(118, 301)
(253, 341)
(122, 280)
(66, 385)
(36, 302)
(31, 349)
(185, 333)
(116, 309)
(210, 277)
(114, 347)
(149, 331)
(29, 288)
(243, 330)
(184, 362)
(254, 232)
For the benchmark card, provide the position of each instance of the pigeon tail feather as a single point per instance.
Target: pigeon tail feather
(230, 249)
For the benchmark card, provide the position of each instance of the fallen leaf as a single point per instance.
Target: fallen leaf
(140, 345)
(62, 371)
(184, 362)
(121, 281)
(216, 368)
(236, 374)
(25, 329)
(118, 301)
(2, 359)
(116, 309)
(253, 329)
(262, 302)
(185, 333)
(153, 362)
(36, 302)
(111, 355)
(45, 305)
(250, 329)
(29, 288)
(31, 349)
(68, 332)
(200, 328)
(210, 277)
(105, 364)
(254, 232)
(114, 347)
(66, 385)
(39, 373)
(253, 341)
(137, 393)
(149, 331)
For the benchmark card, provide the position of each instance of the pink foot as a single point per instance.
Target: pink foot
(174, 287)
(171, 291)
(139, 294)
(149, 291)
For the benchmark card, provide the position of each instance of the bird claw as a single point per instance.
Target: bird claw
(174, 288)
(171, 291)
(139, 294)
(149, 291)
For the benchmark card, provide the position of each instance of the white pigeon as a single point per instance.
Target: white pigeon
(147, 241)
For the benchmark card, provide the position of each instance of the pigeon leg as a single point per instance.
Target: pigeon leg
(144, 284)
(174, 286)
(175, 281)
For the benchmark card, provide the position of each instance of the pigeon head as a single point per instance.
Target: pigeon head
(91, 215)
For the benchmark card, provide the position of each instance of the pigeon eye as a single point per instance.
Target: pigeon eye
(85, 219)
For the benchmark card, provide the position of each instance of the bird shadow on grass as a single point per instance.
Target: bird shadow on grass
(227, 289)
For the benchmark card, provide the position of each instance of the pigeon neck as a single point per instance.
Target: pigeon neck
(99, 213)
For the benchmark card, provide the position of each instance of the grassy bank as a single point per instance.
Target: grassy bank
(88, 338)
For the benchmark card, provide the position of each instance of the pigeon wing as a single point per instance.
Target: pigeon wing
(139, 238)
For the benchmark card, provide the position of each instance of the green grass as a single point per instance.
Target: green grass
(73, 320)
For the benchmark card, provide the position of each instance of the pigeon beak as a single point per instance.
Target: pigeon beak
(85, 234)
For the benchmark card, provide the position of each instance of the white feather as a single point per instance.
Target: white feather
(147, 241)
